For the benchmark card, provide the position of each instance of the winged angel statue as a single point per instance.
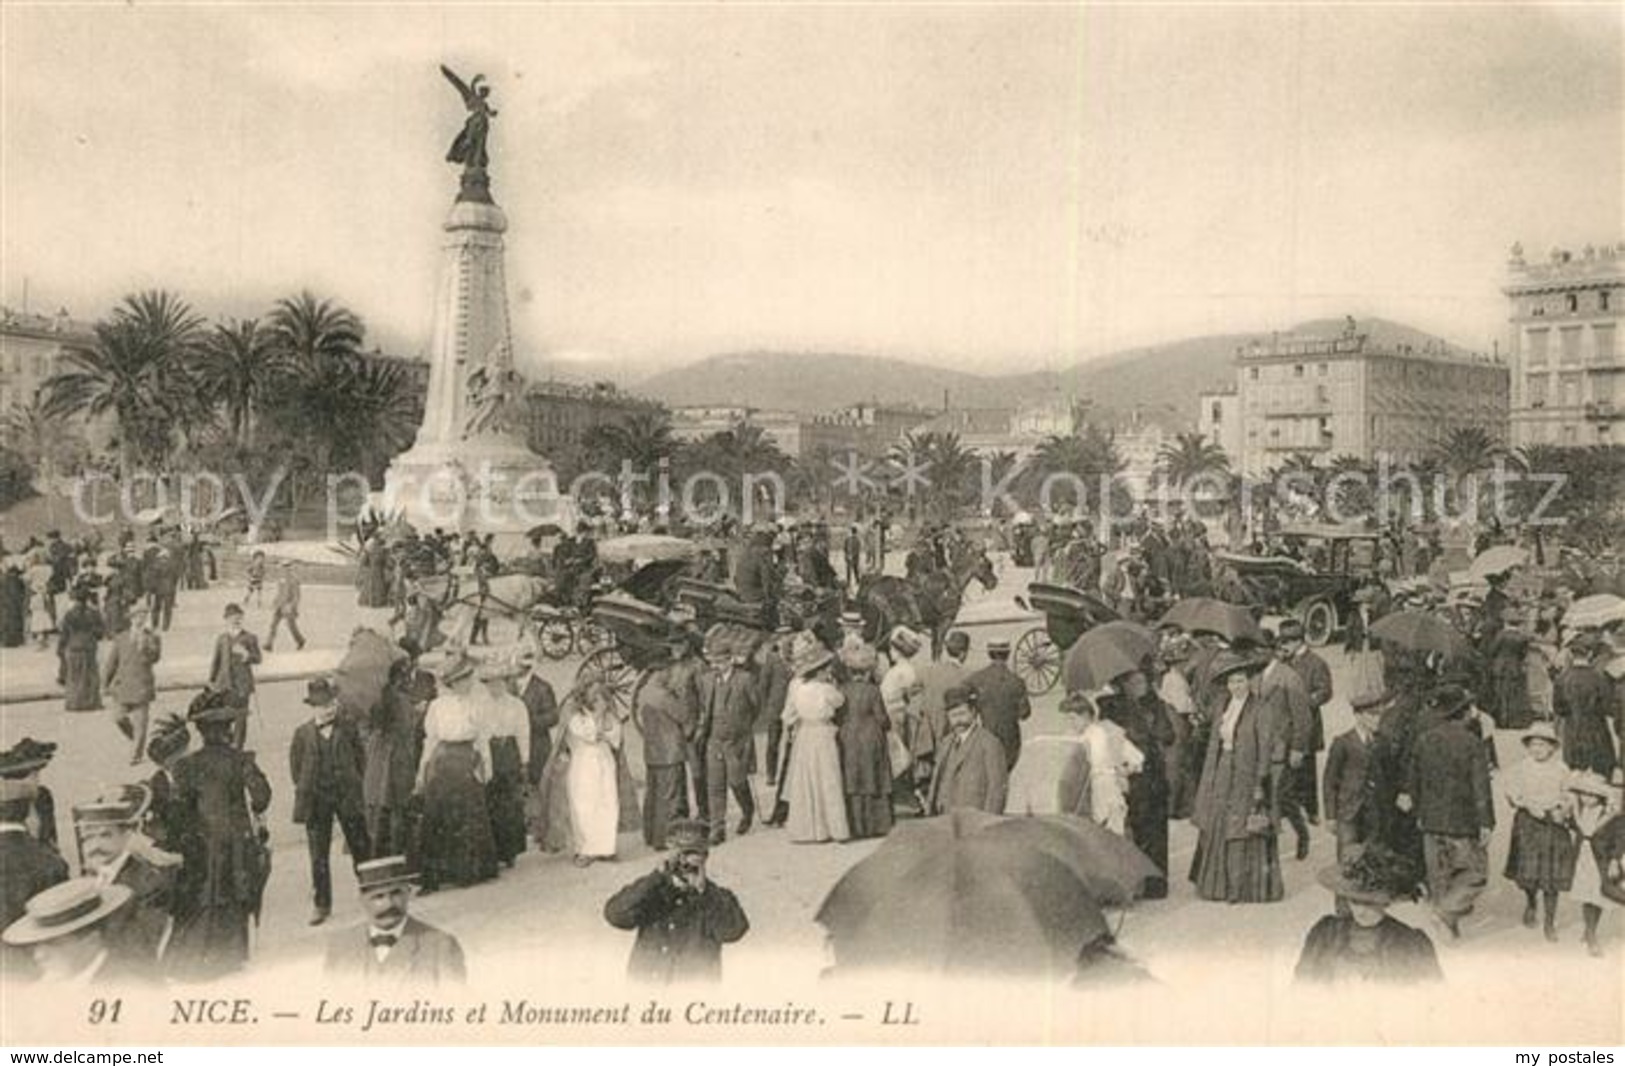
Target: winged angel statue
(469, 146)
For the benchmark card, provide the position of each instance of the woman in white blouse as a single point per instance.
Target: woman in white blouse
(456, 845)
(594, 736)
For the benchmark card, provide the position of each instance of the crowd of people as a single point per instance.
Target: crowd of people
(458, 765)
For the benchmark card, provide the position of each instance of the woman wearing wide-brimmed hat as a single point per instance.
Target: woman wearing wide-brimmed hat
(814, 788)
(1584, 701)
(455, 843)
(1541, 857)
(1237, 811)
(1362, 942)
(218, 792)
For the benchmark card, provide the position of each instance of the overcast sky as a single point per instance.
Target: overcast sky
(979, 186)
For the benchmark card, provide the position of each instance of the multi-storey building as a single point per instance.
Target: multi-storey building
(1568, 373)
(562, 413)
(1218, 419)
(1329, 397)
(783, 428)
(31, 349)
(865, 428)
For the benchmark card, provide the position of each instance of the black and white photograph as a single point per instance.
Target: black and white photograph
(777, 524)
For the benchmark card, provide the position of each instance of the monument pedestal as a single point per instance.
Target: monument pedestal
(462, 472)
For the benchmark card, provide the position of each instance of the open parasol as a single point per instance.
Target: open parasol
(1496, 560)
(1594, 612)
(1420, 631)
(1105, 652)
(364, 670)
(1228, 620)
(975, 893)
(646, 547)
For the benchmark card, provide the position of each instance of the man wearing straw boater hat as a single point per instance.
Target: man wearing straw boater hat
(393, 948)
(114, 852)
(65, 928)
(27, 867)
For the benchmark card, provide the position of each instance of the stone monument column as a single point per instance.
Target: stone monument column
(469, 468)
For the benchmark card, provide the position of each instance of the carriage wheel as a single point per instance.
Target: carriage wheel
(610, 667)
(1319, 619)
(556, 637)
(1037, 661)
(591, 638)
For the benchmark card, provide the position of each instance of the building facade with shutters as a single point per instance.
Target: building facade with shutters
(1568, 371)
(1326, 397)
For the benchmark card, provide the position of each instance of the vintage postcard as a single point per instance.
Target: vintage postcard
(811, 524)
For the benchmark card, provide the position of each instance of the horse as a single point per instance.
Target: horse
(928, 602)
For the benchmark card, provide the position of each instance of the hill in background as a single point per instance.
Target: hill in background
(1160, 382)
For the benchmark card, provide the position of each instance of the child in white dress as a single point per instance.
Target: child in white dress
(1112, 759)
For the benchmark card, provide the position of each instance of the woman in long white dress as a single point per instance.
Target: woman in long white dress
(815, 788)
(594, 736)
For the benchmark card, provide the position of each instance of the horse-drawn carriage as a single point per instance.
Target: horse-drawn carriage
(1068, 613)
(1316, 583)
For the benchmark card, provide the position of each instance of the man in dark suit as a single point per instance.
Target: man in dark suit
(667, 719)
(236, 653)
(542, 705)
(1317, 678)
(729, 701)
(756, 575)
(394, 948)
(971, 771)
(27, 867)
(682, 918)
(1002, 699)
(1447, 785)
(114, 853)
(327, 761)
(1346, 770)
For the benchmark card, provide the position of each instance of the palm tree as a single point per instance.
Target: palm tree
(642, 439)
(1190, 456)
(134, 370)
(1468, 449)
(306, 332)
(240, 368)
(1089, 455)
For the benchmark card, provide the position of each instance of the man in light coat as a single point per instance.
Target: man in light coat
(128, 679)
(394, 949)
(970, 771)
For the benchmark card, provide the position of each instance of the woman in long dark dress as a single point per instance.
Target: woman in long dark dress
(865, 765)
(217, 791)
(455, 846)
(78, 633)
(13, 608)
(1237, 803)
(506, 727)
(1508, 655)
(1584, 700)
(1144, 719)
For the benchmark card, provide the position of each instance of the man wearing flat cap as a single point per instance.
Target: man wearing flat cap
(65, 929)
(326, 762)
(681, 916)
(970, 770)
(1347, 765)
(394, 948)
(1002, 699)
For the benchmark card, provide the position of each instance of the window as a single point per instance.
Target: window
(1572, 302)
(1297, 371)
(1571, 390)
(1252, 373)
(1571, 345)
(1539, 340)
(1537, 390)
(1218, 412)
(1602, 300)
(1570, 434)
(1322, 394)
(1602, 339)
